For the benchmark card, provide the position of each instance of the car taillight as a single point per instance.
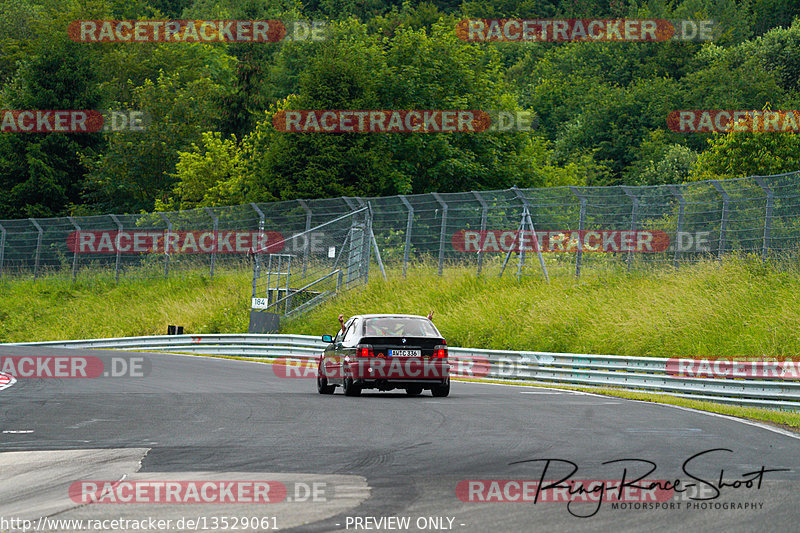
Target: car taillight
(440, 351)
(364, 350)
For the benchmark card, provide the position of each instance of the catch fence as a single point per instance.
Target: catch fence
(540, 232)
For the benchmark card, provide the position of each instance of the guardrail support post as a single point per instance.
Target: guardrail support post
(409, 226)
(116, 246)
(679, 226)
(634, 215)
(77, 247)
(767, 215)
(215, 220)
(2, 247)
(484, 218)
(166, 241)
(443, 232)
(723, 224)
(38, 248)
(581, 224)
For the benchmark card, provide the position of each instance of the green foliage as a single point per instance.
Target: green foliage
(601, 106)
(661, 160)
(208, 175)
(40, 173)
(136, 168)
(740, 153)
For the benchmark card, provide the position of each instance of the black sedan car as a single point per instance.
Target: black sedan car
(385, 352)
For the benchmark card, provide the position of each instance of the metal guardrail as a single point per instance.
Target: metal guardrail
(641, 374)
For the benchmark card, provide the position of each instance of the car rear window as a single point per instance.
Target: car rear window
(400, 326)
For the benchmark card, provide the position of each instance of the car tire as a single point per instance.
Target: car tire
(414, 390)
(350, 388)
(441, 391)
(322, 384)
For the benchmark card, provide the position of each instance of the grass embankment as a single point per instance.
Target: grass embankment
(737, 309)
(55, 309)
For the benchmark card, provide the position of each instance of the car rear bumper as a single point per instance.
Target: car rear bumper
(418, 370)
(390, 384)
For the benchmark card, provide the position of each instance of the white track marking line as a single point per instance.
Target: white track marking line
(6, 380)
(768, 427)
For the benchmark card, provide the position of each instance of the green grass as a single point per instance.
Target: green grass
(55, 309)
(740, 308)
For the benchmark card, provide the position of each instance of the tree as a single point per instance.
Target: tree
(137, 167)
(779, 52)
(748, 153)
(660, 159)
(614, 122)
(40, 173)
(207, 175)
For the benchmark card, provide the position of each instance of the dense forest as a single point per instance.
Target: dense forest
(601, 107)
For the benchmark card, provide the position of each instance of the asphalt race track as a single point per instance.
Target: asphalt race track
(378, 459)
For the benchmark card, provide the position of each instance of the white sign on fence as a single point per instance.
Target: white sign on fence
(259, 303)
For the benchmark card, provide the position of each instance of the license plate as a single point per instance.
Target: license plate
(405, 353)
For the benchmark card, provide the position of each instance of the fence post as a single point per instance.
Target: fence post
(77, 247)
(409, 226)
(634, 215)
(581, 224)
(306, 235)
(443, 232)
(215, 220)
(257, 253)
(116, 245)
(374, 241)
(679, 226)
(724, 219)
(166, 242)
(484, 217)
(767, 214)
(367, 253)
(527, 214)
(349, 203)
(2, 247)
(38, 248)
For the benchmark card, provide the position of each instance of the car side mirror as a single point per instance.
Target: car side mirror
(327, 338)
